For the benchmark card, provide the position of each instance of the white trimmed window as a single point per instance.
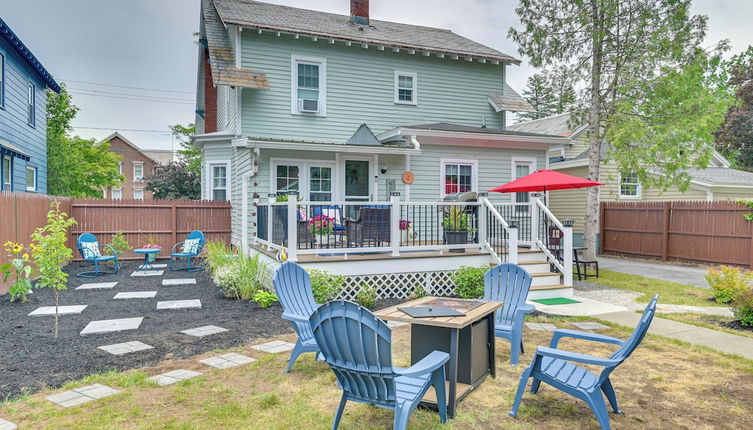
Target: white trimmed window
(31, 100)
(2, 81)
(138, 171)
(219, 178)
(120, 167)
(406, 88)
(308, 85)
(138, 194)
(7, 170)
(458, 176)
(117, 193)
(287, 178)
(31, 178)
(630, 186)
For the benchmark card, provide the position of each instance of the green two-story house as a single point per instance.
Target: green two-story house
(344, 108)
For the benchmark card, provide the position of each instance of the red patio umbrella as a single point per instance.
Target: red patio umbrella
(545, 180)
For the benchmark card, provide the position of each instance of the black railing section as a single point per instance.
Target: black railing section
(327, 226)
(438, 224)
(520, 213)
(497, 236)
(552, 236)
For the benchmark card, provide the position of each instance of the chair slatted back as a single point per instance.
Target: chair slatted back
(293, 288)
(508, 283)
(85, 238)
(358, 347)
(638, 334)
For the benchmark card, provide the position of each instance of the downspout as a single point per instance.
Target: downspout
(244, 200)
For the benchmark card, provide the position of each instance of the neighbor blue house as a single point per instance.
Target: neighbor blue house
(23, 116)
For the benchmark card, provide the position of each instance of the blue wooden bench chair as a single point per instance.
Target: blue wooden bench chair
(191, 248)
(553, 366)
(509, 283)
(89, 248)
(358, 347)
(293, 288)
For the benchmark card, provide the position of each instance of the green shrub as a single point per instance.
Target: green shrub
(325, 285)
(120, 244)
(217, 253)
(240, 277)
(469, 281)
(728, 283)
(265, 298)
(19, 268)
(367, 295)
(743, 307)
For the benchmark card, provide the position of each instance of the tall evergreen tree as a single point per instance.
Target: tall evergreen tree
(550, 92)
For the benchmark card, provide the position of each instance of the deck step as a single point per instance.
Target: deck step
(550, 292)
(545, 279)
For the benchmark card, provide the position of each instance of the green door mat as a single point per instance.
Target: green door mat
(556, 301)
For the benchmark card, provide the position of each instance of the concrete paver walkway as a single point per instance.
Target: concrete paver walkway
(718, 340)
(667, 272)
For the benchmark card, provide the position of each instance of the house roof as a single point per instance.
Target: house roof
(131, 144)
(8, 149)
(27, 55)
(222, 54)
(721, 176)
(445, 126)
(509, 100)
(558, 125)
(303, 21)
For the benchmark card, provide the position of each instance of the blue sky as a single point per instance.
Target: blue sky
(149, 44)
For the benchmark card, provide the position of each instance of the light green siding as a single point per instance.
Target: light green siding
(360, 89)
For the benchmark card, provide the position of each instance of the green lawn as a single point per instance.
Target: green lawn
(672, 293)
(714, 322)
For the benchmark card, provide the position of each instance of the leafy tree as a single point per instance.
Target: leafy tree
(735, 136)
(175, 181)
(76, 167)
(50, 253)
(188, 153)
(550, 92)
(611, 47)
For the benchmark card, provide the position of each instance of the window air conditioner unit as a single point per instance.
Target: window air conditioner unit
(309, 106)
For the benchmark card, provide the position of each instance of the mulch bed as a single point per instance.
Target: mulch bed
(33, 360)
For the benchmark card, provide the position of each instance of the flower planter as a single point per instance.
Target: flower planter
(456, 238)
(152, 257)
(324, 240)
(404, 236)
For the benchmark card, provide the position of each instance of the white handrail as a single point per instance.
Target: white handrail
(496, 214)
(550, 214)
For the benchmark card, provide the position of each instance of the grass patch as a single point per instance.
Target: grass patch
(673, 293)
(713, 322)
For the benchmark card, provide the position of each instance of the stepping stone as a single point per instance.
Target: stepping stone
(204, 331)
(82, 395)
(148, 273)
(179, 304)
(62, 310)
(169, 282)
(125, 348)
(7, 425)
(541, 326)
(274, 346)
(136, 295)
(156, 266)
(226, 361)
(173, 377)
(590, 325)
(109, 326)
(97, 286)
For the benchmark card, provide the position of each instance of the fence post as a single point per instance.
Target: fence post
(174, 221)
(534, 221)
(665, 231)
(395, 223)
(292, 226)
(483, 221)
(512, 242)
(272, 198)
(567, 252)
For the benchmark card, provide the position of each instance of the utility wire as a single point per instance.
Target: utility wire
(133, 98)
(130, 94)
(166, 132)
(132, 88)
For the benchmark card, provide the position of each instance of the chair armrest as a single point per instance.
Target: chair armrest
(574, 356)
(111, 249)
(295, 318)
(575, 334)
(172, 250)
(525, 309)
(428, 364)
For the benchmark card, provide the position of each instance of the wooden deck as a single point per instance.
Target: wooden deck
(326, 256)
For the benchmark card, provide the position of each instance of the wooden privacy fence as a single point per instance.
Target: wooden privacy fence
(713, 232)
(166, 221)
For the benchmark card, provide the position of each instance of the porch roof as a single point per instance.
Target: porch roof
(300, 145)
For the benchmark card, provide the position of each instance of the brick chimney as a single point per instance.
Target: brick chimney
(359, 11)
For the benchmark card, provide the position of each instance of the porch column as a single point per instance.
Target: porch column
(482, 222)
(292, 225)
(271, 198)
(535, 197)
(512, 242)
(407, 186)
(395, 223)
(567, 253)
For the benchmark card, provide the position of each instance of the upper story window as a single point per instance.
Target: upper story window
(120, 167)
(31, 99)
(630, 185)
(309, 86)
(406, 85)
(7, 171)
(2, 81)
(138, 171)
(459, 176)
(31, 178)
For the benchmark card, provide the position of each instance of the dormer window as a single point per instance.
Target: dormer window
(406, 84)
(308, 86)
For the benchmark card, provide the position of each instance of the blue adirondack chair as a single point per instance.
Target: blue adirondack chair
(509, 283)
(89, 248)
(293, 288)
(358, 347)
(553, 366)
(192, 247)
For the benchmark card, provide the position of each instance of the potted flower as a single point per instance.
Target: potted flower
(405, 229)
(151, 243)
(322, 226)
(456, 226)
